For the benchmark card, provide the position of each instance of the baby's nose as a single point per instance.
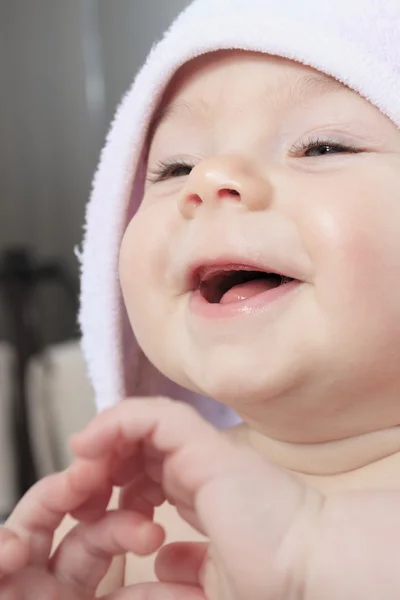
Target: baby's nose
(224, 179)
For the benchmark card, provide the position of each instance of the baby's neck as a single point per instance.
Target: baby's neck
(372, 459)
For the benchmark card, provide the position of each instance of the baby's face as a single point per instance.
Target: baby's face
(260, 165)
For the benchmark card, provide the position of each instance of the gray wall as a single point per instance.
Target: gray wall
(128, 29)
(64, 65)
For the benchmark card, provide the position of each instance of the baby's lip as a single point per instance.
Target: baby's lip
(203, 269)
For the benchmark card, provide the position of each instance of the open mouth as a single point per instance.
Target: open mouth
(233, 284)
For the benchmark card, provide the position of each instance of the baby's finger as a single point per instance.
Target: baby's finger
(142, 495)
(14, 552)
(124, 468)
(34, 583)
(41, 510)
(158, 591)
(166, 429)
(181, 562)
(94, 507)
(167, 424)
(84, 556)
(163, 428)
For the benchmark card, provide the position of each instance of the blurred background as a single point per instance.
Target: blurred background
(64, 65)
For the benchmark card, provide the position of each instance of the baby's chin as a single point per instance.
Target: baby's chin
(239, 387)
(286, 419)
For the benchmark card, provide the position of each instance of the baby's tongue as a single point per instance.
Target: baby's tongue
(246, 290)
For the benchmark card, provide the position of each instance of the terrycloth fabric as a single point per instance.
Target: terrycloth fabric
(355, 41)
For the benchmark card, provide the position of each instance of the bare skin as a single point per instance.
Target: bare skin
(132, 569)
(192, 460)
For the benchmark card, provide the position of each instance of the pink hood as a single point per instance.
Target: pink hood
(355, 41)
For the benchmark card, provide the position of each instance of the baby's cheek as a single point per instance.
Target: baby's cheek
(136, 269)
(359, 262)
(372, 233)
(144, 257)
(371, 248)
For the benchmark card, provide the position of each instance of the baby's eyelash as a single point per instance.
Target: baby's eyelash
(175, 168)
(169, 169)
(311, 143)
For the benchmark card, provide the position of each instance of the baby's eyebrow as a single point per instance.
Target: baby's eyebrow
(277, 97)
(288, 92)
(177, 109)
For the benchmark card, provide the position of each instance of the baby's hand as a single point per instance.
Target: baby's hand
(252, 512)
(271, 537)
(82, 559)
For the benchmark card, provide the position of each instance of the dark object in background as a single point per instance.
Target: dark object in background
(20, 278)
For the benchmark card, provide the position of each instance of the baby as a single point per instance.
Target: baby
(250, 191)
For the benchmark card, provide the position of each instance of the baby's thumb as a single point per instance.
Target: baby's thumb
(260, 520)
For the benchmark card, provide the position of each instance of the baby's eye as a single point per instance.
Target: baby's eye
(315, 148)
(323, 149)
(172, 170)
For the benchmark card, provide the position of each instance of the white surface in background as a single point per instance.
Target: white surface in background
(61, 401)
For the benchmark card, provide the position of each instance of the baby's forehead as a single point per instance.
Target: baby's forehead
(223, 86)
(201, 85)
